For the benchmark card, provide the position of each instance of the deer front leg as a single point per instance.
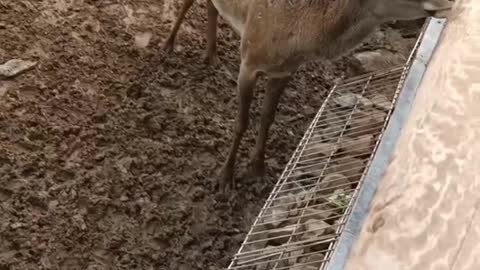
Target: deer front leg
(275, 88)
(211, 57)
(169, 44)
(246, 83)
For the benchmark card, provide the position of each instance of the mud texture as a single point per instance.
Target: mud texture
(109, 148)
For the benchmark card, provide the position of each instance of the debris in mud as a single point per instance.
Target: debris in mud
(14, 67)
(350, 100)
(4, 85)
(142, 40)
(377, 60)
(381, 102)
(347, 100)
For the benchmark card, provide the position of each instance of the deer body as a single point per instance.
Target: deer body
(278, 36)
(315, 30)
(234, 12)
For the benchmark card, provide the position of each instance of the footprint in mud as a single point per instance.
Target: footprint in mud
(5, 194)
(71, 263)
(153, 231)
(4, 86)
(102, 260)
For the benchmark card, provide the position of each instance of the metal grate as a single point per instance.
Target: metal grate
(303, 217)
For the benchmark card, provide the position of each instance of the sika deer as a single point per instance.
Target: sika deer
(278, 36)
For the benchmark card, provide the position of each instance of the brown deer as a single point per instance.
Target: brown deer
(278, 36)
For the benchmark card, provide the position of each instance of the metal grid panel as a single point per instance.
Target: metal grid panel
(303, 217)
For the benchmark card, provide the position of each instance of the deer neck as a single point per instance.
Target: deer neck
(350, 30)
(234, 12)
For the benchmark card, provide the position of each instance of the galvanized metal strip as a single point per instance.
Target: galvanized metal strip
(381, 159)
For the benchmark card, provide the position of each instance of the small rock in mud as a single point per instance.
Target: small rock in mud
(315, 229)
(321, 212)
(142, 40)
(280, 236)
(14, 67)
(302, 266)
(358, 146)
(381, 102)
(331, 132)
(332, 182)
(346, 101)
(364, 102)
(366, 123)
(352, 168)
(378, 59)
(4, 86)
(277, 215)
(314, 260)
(315, 150)
(16, 225)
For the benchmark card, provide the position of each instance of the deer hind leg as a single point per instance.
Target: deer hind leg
(246, 83)
(211, 57)
(169, 44)
(275, 88)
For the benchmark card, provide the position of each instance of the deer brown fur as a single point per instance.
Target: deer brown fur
(278, 36)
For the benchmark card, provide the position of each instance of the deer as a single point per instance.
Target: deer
(279, 36)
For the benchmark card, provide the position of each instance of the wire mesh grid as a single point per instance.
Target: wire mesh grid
(303, 217)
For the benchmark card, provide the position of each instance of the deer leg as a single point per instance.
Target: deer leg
(275, 88)
(187, 4)
(211, 56)
(246, 84)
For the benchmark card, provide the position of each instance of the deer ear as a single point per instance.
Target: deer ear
(363, 2)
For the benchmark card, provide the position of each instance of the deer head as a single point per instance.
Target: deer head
(387, 10)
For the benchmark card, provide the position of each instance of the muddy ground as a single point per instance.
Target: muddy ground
(109, 149)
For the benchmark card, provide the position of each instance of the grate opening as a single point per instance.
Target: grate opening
(303, 218)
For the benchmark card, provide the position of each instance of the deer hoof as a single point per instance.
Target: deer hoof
(257, 169)
(212, 60)
(168, 46)
(225, 182)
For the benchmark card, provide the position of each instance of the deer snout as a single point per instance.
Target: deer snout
(438, 8)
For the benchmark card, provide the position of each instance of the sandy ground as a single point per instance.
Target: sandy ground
(109, 149)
